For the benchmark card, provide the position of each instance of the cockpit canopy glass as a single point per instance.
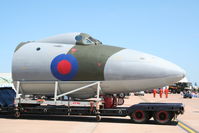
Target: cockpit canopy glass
(85, 39)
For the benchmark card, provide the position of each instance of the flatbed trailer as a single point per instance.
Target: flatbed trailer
(162, 113)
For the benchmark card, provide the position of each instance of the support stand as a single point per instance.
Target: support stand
(17, 100)
(58, 95)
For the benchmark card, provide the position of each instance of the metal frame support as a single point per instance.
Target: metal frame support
(17, 89)
(98, 98)
(56, 96)
(98, 91)
(17, 99)
(55, 93)
(78, 89)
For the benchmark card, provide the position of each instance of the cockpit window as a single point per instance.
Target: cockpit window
(78, 38)
(95, 40)
(85, 39)
(92, 39)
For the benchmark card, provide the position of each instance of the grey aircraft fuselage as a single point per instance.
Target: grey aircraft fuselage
(77, 59)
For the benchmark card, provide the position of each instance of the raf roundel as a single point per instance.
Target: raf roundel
(64, 67)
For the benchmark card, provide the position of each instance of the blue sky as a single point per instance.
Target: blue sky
(165, 28)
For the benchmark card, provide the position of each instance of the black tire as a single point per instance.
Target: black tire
(120, 101)
(98, 118)
(162, 117)
(139, 116)
(17, 114)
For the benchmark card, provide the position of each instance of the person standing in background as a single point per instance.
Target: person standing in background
(166, 91)
(154, 92)
(161, 91)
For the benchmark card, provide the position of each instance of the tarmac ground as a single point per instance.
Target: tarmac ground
(188, 122)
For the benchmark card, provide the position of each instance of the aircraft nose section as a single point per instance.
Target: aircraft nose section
(133, 65)
(178, 73)
(170, 71)
(181, 72)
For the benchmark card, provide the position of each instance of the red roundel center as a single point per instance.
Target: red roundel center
(64, 67)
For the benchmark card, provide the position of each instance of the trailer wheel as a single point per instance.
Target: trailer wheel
(98, 117)
(139, 116)
(120, 101)
(162, 117)
(121, 95)
(17, 114)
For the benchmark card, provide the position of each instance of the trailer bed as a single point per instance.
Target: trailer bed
(148, 108)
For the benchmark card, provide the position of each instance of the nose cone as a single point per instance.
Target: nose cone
(133, 65)
(170, 72)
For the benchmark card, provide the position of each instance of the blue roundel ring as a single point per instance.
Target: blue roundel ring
(74, 67)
